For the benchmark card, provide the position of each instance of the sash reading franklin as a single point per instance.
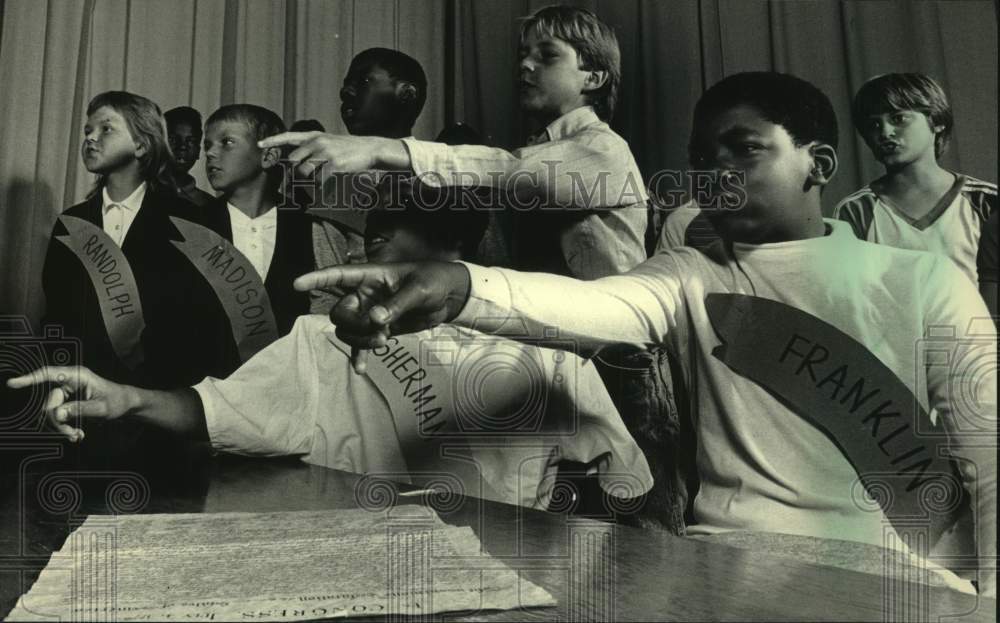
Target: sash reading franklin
(838, 385)
(236, 284)
(114, 284)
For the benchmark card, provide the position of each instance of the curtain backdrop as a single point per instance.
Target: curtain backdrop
(291, 57)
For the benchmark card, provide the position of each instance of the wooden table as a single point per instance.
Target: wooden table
(596, 570)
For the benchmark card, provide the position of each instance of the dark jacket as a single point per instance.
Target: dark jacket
(293, 256)
(172, 303)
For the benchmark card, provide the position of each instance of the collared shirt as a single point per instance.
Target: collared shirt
(255, 237)
(118, 215)
(951, 229)
(299, 396)
(578, 188)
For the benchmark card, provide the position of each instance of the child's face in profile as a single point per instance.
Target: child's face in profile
(232, 157)
(551, 82)
(185, 142)
(369, 100)
(899, 137)
(740, 139)
(107, 143)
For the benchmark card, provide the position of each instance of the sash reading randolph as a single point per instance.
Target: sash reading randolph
(236, 284)
(113, 282)
(834, 382)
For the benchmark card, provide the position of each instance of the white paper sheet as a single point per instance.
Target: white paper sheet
(272, 567)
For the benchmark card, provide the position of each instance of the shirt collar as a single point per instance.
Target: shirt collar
(266, 220)
(836, 232)
(132, 203)
(569, 124)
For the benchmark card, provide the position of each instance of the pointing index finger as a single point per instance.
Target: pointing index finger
(287, 138)
(335, 279)
(48, 374)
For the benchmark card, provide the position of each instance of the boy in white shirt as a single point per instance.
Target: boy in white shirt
(800, 343)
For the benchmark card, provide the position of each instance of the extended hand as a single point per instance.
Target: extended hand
(377, 300)
(79, 393)
(326, 154)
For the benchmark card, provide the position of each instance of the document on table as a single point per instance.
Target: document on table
(272, 567)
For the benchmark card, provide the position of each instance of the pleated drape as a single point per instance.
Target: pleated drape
(291, 57)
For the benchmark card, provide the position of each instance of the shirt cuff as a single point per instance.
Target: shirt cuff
(430, 161)
(206, 392)
(489, 292)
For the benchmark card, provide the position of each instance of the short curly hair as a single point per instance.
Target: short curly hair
(793, 103)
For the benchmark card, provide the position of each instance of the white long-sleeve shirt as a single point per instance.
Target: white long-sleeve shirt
(762, 466)
(578, 168)
(508, 412)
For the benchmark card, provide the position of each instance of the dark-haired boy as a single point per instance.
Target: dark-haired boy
(786, 329)
(906, 121)
(383, 94)
(298, 396)
(184, 133)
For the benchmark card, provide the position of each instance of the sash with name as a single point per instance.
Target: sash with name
(417, 386)
(235, 282)
(442, 395)
(114, 284)
(493, 413)
(837, 384)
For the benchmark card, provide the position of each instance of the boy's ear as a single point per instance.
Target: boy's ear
(270, 157)
(140, 149)
(824, 164)
(406, 92)
(595, 79)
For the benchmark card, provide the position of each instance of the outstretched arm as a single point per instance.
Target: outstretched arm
(377, 300)
(593, 174)
(80, 394)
